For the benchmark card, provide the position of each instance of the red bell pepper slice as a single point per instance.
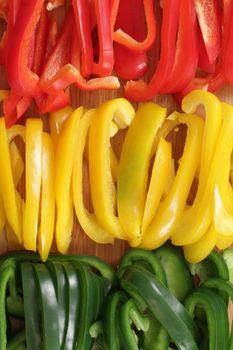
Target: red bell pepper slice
(227, 47)
(14, 107)
(186, 59)
(139, 90)
(129, 64)
(83, 27)
(20, 77)
(123, 38)
(209, 17)
(105, 64)
(9, 12)
(51, 103)
(203, 59)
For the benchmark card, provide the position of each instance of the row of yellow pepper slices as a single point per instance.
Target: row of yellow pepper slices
(142, 197)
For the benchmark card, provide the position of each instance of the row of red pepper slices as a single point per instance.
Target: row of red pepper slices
(98, 36)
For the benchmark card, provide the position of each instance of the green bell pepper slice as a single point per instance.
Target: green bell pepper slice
(144, 287)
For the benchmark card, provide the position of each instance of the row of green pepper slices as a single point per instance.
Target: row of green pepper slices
(150, 302)
(144, 196)
(97, 36)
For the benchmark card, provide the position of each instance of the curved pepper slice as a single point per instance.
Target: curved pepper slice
(144, 286)
(158, 182)
(216, 315)
(47, 207)
(11, 198)
(21, 79)
(101, 182)
(134, 166)
(189, 230)
(171, 209)
(33, 169)
(64, 159)
(126, 40)
(56, 121)
(88, 221)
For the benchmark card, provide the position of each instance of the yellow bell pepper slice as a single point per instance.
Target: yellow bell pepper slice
(102, 187)
(56, 121)
(132, 182)
(160, 173)
(9, 194)
(171, 209)
(199, 250)
(17, 163)
(87, 220)
(64, 160)
(196, 219)
(47, 212)
(33, 175)
(16, 130)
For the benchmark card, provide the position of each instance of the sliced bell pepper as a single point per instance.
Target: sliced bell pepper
(88, 221)
(105, 63)
(125, 39)
(14, 107)
(209, 17)
(132, 182)
(102, 188)
(142, 285)
(139, 90)
(64, 158)
(53, 4)
(189, 230)
(11, 198)
(216, 315)
(83, 25)
(185, 64)
(134, 63)
(47, 206)
(21, 78)
(33, 170)
(171, 209)
(56, 121)
(158, 182)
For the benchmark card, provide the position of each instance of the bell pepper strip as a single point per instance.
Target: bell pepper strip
(83, 27)
(16, 163)
(216, 315)
(73, 302)
(158, 181)
(11, 198)
(151, 261)
(47, 210)
(64, 158)
(14, 107)
(188, 230)
(50, 103)
(88, 221)
(220, 285)
(178, 276)
(101, 182)
(49, 310)
(2, 215)
(185, 64)
(203, 59)
(139, 90)
(56, 121)
(33, 173)
(199, 250)
(51, 37)
(209, 18)
(144, 286)
(105, 63)
(110, 319)
(224, 242)
(132, 182)
(171, 209)
(21, 78)
(125, 39)
(134, 64)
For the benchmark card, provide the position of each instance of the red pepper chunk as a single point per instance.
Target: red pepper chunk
(20, 77)
(209, 17)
